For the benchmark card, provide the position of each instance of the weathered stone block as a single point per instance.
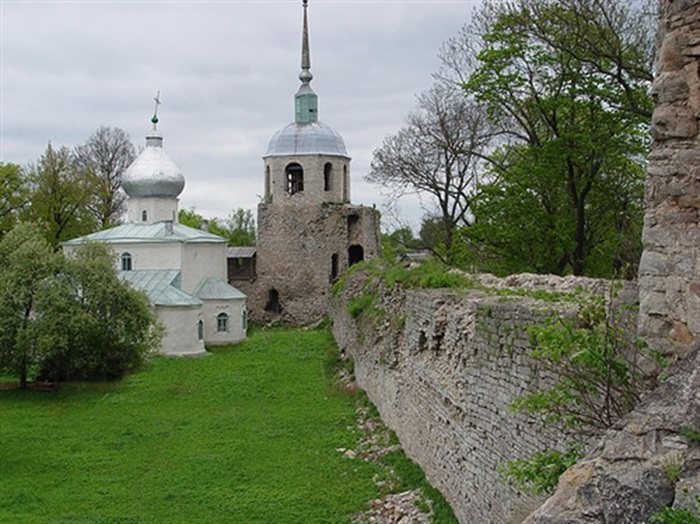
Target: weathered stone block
(671, 121)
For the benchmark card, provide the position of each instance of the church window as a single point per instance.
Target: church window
(346, 190)
(200, 330)
(295, 178)
(222, 322)
(273, 301)
(356, 253)
(126, 261)
(327, 176)
(144, 216)
(244, 319)
(268, 189)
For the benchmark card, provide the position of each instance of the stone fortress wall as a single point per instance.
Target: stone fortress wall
(443, 368)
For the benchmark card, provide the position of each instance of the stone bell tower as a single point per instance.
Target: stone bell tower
(308, 231)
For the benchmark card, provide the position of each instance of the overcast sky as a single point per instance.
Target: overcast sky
(227, 72)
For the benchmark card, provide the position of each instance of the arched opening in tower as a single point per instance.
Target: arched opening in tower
(295, 178)
(356, 253)
(273, 301)
(327, 176)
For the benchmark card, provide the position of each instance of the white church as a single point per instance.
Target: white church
(181, 269)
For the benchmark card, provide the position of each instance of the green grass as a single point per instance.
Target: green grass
(246, 434)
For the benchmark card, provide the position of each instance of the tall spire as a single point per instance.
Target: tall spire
(306, 101)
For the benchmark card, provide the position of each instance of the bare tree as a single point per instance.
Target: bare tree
(438, 153)
(104, 158)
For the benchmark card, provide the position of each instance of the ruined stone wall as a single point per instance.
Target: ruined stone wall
(669, 272)
(443, 367)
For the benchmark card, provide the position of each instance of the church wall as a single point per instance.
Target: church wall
(143, 255)
(156, 209)
(180, 329)
(235, 310)
(199, 260)
(314, 166)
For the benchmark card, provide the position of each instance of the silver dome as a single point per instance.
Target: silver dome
(153, 174)
(311, 138)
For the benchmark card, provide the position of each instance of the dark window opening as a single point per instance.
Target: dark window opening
(295, 178)
(200, 330)
(126, 261)
(273, 302)
(356, 253)
(144, 216)
(327, 176)
(334, 267)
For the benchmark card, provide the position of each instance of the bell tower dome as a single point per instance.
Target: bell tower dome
(306, 161)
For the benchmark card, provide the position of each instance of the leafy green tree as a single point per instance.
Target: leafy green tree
(568, 82)
(238, 227)
(13, 195)
(103, 160)
(27, 264)
(59, 196)
(92, 324)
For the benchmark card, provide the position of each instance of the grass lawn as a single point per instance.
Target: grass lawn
(247, 434)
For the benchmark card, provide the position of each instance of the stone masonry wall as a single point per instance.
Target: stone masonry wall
(443, 367)
(669, 272)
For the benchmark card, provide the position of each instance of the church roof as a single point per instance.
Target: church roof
(153, 173)
(158, 232)
(210, 288)
(161, 285)
(311, 138)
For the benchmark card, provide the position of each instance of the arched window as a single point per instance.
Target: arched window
(295, 178)
(327, 176)
(144, 216)
(356, 253)
(126, 261)
(200, 330)
(222, 322)
(268, 189)
(244, 319)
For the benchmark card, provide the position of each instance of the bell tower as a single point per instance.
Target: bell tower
(308, 231)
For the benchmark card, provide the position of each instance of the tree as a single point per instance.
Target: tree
(238, 227)
(92, 324)
(13, 195)
(568, 81)
(27, 263)
(59, 196)
(104, 159)
(438, 152)
(68, 318)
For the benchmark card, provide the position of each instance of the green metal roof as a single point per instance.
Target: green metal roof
(210, 288)
(160, 232)
(161, 285)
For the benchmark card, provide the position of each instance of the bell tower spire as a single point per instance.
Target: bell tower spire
(305, 100)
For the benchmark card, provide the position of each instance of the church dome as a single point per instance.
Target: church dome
(310, 138)
(153, 173)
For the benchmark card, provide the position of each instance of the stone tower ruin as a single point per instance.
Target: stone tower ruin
(308, 231)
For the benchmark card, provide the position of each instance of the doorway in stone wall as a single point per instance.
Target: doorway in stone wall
(356, 253)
